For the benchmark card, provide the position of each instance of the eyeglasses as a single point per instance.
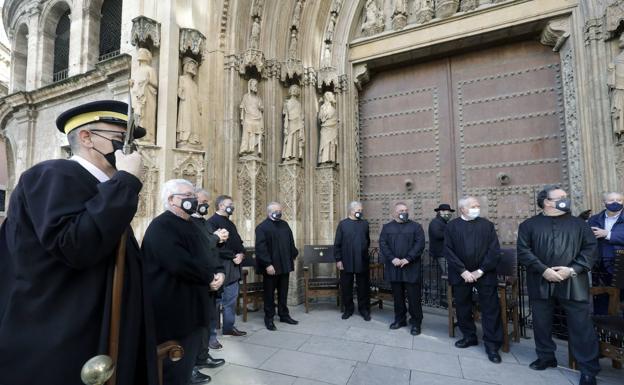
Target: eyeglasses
(123, 134)
(186, 195)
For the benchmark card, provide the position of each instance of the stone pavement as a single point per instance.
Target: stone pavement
(324, 349)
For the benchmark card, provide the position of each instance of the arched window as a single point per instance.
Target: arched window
(61, 48)
(19, 59)
(110, 29)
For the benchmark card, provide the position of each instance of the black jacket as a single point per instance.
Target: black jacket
(402, 240)
(231, 247)
(548, 241)
(57, 255)
(351, 245)
(436, 237)
(275, 245)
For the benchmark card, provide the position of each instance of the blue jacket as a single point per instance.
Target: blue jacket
(606, 248)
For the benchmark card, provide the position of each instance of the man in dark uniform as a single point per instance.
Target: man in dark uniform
(351, 252)
(444, 213)
(181, 277)
(232, 254)
(58, 246)
(275, 255)
(472, 251)
(401, 244)
(558, 252)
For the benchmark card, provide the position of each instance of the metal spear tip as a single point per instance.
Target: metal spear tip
(97, 370)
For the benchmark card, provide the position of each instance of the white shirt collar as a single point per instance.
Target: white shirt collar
(93, 170)
(466, 218)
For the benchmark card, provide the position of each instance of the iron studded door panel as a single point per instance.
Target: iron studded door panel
(487, 123)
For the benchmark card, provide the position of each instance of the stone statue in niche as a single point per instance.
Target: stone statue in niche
(423, 11)
(189, 108)
(254, 42)
(373, 19)
(616, 86)
(331, 27)
(328, 117)
(292, 47)
(294, 130)
(399, 14)
(297, 14)
(326, 60)
(252, 120)
(144, 85)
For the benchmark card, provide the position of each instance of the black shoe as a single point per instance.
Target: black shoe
(209, 362)
(270, 325)
(347, 314)
(235, 332)
(396, 325)
(415, 330)
(494, 357)
(288, 320)
(465, 342)
(587, 379)
(541, 365)
(366, 316)
(199, 378)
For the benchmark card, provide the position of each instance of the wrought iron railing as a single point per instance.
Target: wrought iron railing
(60, 75)
(108, 55)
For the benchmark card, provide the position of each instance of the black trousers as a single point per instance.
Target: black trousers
(582, 337)
(363, 291)
(270, 283)
(490, 313)
(204, 350)
(179, 373)
(413, 300)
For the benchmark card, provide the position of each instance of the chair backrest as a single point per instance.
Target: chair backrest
(508, 264)
(249, 260)
(318, 254)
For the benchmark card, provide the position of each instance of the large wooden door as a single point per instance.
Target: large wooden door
(488, 123)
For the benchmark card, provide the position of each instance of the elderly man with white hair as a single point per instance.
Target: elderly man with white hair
(181, 276)
(608, 228)
(275, 255)
(472, 251)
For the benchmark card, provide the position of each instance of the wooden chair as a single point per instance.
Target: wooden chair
(610, 327)
(251, 290)
(380, 289)
(168, 350)
(508, 289)
(319, 286)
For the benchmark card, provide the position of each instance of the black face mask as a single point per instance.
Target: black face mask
(276, 215)
(563, 205)
(358, 215)
(202, 209)
(229, 210)
(404, 217)
(446, 217)
(189, 205)
(110, 157)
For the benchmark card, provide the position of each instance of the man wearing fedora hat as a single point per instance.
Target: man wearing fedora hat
(58, 246)
(444, 213)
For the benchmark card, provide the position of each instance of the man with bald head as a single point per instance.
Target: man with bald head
(472, 251)
(608, 228)
(275, 255)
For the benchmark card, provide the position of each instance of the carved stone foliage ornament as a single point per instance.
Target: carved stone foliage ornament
(252, 182)
(189, 165)
(192, 43)
(399, 14)
(252, 121)
(291, 183)
(144, 93)
(373, 19)
(468, 5)
(446, 8)
(423, 11)
(556, 33)
(145, 32)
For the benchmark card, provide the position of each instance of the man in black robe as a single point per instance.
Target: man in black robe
(472, 251)
(401, 244)
(275, 255)
(558, 251)
(232, 254)
(444, 213)
(351, 253)
(57, 255)
(181, 277)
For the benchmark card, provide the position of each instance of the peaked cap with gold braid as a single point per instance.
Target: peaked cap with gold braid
(108, 111)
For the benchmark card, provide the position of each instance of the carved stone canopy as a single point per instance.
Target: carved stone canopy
(614, 18)
(145, 32)
(192, 43)
(327, 78)
(291, 71)
(253, 61)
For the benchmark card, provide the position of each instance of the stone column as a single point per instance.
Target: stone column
(33, 76)
(291, 183)
(252, 185)
(327, 188)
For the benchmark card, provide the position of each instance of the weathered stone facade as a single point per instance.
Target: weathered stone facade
(320, 45)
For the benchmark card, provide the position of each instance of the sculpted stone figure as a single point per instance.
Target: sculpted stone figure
(294, 130)
(252, 120)
(399, 14)
(189, 108)
(616, 85)
(144, 85)
(374, 19)
(423, 11)
(328, 116)
(255, 34)
(292, 48)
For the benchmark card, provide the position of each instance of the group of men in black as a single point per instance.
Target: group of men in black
(66, 217)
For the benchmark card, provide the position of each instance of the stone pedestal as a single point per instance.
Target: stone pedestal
(291, 184)
(326, 190)
(252, 185)
(150, 204)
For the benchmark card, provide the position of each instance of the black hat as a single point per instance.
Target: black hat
(444, 206)
(108, 111)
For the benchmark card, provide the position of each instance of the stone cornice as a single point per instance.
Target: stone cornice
(102, 73)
